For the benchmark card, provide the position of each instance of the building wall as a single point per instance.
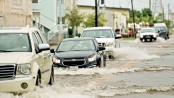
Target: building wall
(16, 12)
(122, 11)
(70, 4)
(116, 17)
(171, 17)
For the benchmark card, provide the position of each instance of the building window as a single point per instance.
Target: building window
(35, 1)
(58, 20)
(62, 1)
(63, 20)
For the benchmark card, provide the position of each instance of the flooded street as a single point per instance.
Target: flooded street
(139, 70)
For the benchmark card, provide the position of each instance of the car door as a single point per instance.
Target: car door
(45, 58)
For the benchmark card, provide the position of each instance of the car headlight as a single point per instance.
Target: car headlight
(93, 58)
(24, 69)
(141, 35)
(154, 35)
(109, 44)
(55, 60)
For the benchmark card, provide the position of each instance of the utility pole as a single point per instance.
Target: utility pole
(96, 14)
(133, 18)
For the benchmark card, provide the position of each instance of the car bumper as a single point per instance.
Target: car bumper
(147, 37)
(15, 85)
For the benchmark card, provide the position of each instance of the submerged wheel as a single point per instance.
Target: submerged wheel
(38, 80)
(103, 61)
(51, 81)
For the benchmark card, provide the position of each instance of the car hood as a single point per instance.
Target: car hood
(148, 33)
(105, 40)
(74, 54)
(14, 57)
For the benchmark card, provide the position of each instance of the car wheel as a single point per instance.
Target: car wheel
(103, 61)
(141, 40)
(51, 81)
(165, 37)
(154, 39)
(38, 80)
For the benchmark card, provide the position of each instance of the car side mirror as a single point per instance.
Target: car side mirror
(43, 47)
(52, 51)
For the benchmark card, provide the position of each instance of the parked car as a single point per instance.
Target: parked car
(78, 53)
(105, 36)
(163, 31)
(148, 34)
(25, 60)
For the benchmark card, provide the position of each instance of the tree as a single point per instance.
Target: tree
(74, 19)
(145, 15)
(90, 20)
(146, 12)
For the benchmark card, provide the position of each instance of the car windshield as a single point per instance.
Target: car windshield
(76, 45)
(14, 42)
(106, 33)
(147, 31)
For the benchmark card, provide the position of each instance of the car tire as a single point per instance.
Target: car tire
(38, 80)
(51, 81)
(166, 37)
(141, 40)
(103, 61)
(154, 39)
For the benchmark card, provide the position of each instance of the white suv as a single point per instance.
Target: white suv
(105, 37)
(148, 33)
(25, 60)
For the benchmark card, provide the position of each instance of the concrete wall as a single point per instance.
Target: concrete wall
(16, 12)
(115, 17)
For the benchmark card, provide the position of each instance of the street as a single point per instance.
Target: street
(139, 70)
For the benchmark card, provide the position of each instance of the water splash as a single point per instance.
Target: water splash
(91, 71)
(131, 53)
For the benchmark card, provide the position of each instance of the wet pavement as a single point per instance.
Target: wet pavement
(139, 70)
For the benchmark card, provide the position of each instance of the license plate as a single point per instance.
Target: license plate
(74, 68)
(147, 36)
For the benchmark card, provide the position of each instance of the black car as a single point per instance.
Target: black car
(163, 31)
(78, 52)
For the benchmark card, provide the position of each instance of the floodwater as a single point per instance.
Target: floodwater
(139, 70)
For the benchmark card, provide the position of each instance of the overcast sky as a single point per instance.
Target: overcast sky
(138, 4)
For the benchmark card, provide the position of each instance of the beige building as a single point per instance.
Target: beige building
(171, 17)
(116, 17)
(70, 4)
(15, 13)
